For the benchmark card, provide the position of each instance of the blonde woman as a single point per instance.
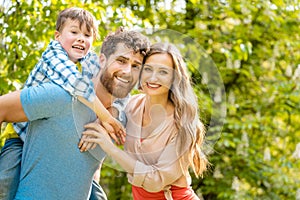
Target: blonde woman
(164, 133)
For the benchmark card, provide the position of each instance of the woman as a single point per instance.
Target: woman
(164, 133)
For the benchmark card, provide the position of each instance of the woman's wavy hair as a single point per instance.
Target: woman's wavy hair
(191, 131)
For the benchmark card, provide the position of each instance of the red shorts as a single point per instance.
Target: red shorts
(178, 193)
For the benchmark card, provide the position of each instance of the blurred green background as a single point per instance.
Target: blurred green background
(251, 111)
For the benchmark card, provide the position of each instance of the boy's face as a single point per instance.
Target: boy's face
(121, 71)
(74, 39)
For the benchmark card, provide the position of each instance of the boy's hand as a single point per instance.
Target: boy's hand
(115, 129)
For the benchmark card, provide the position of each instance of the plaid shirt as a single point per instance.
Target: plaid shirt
(56, 66)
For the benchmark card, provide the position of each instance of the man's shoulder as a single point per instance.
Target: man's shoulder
(48, 89)
(46, 98)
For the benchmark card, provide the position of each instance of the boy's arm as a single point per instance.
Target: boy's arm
(97, 107)
(112, 125)
(11, 109)
(62, 71)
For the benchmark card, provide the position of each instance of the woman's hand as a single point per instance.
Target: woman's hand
(94, 134)
(85, 146)
(115, 130)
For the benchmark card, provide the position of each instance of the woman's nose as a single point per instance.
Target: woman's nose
(153, 76)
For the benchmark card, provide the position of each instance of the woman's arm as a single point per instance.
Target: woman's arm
(97, 134)
(152, 178)
(11, 109)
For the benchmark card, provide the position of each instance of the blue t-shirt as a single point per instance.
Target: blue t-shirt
(52, 165)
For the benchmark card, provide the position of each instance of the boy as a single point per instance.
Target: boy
(75, 31)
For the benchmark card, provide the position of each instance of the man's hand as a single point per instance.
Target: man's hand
(11, 109)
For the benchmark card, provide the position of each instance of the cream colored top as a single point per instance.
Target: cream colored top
(157, 166)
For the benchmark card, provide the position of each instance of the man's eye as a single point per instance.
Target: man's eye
(136, 66)
(121, 61)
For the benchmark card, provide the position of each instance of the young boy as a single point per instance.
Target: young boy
(69, 63)
(75, 31)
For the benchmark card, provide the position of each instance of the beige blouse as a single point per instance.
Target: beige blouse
(157, 166)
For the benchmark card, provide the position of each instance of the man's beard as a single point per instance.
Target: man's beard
(118, 91)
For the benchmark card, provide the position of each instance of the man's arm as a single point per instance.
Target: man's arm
(11, 109)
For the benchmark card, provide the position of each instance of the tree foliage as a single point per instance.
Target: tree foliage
(255, 47)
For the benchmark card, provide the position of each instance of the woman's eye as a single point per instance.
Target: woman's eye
(147, 69)
(163, 72)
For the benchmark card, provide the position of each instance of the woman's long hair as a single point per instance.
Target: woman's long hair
(191, 131)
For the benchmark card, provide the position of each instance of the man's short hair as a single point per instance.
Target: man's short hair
(131, 39)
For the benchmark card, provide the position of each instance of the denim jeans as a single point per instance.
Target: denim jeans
(97, 192)
(10, 165)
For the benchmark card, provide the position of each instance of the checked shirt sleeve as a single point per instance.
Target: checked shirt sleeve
(61, 70)
(56, 66)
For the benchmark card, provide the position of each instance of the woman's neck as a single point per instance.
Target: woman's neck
(156, 111)
(157, 100)
(157, 107)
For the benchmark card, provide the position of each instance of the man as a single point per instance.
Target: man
(52, 165)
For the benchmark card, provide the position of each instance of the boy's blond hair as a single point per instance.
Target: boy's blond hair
(84, 17)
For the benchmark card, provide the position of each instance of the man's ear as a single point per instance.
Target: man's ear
(102, 60)
(56, 35)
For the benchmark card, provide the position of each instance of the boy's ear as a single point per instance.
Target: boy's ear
(56, 35)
